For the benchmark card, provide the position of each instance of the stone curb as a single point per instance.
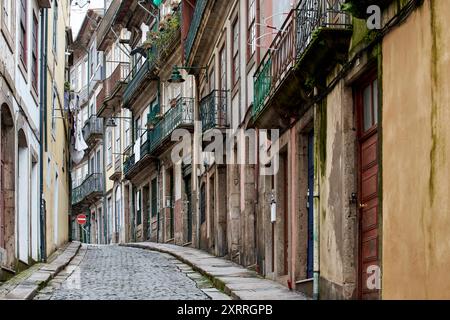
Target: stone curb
(28, 289)
(242, 284)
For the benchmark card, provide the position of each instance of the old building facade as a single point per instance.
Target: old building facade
(33, 224)
(313, 83)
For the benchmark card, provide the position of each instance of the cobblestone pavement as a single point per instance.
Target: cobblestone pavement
(120, 273)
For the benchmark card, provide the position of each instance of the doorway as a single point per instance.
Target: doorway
(368, 206)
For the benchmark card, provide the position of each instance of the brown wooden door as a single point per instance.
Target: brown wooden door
(369, 214)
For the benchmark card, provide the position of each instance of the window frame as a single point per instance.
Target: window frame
(23, 34)
(251, 29)
(35, 54)
(235, 56)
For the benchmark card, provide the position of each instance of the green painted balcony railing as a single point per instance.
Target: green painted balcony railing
(128, 164)
(93, 184)
(153, 115)
(179, 116)
(213, 110)
(199, 11)
(136, 76)
(292, 41)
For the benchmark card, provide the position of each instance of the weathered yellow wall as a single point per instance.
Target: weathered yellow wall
(416, 136)
(335, 171)
(57, 151)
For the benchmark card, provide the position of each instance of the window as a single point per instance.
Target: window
(154, 198)
(370, 105)
(202, 204)
(98, 162)
(212, 79)
(92, 165)
(92, 61)
(110, 220)
(251, 28)
(127, 125)
(109, 147)
(55, 26)
(34, 55)
(137, 128)
(138, 208)
(223, 69)
(79, 77)
(117, 140)
(235, 52)
(23, 46)
(54, 97)
(7, 13)
(118, 208)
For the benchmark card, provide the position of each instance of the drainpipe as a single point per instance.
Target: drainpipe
(316, 212)
(42, 128)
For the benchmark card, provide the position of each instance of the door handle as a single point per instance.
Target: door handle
(362, 205)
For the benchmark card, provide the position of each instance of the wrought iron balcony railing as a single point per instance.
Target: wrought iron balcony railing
(93, 128)
(91, 186)
(179, 116)
(199, 11)
(213, 110)
(128, 164)
(81, 97)
(298, 31)
(156, 55)
(136, 76)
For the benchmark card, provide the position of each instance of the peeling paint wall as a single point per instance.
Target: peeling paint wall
(335, 152)
(416, 135)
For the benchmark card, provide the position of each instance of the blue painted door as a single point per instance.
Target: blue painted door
(310, 205)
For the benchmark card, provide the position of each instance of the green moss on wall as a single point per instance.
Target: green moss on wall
(322, 136)
(434, 107)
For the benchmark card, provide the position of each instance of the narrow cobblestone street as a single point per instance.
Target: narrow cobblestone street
(113, 273)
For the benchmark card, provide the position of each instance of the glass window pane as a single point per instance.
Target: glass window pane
(367, 106)
(375, 101)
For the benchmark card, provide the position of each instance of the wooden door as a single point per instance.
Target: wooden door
(188, 188)
(368, 205)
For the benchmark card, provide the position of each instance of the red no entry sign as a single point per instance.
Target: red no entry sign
(81, 219)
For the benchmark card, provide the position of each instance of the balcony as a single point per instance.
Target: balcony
(88, 192)
(161, 48)
(180, 116)
(93, 130)
(117, 174)
(104, 35)
(109, 98)
(213, 110)
(138, 78)
(159, 138)
(128, 165)
(81, 97)
(205, 25)
(313, 38)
